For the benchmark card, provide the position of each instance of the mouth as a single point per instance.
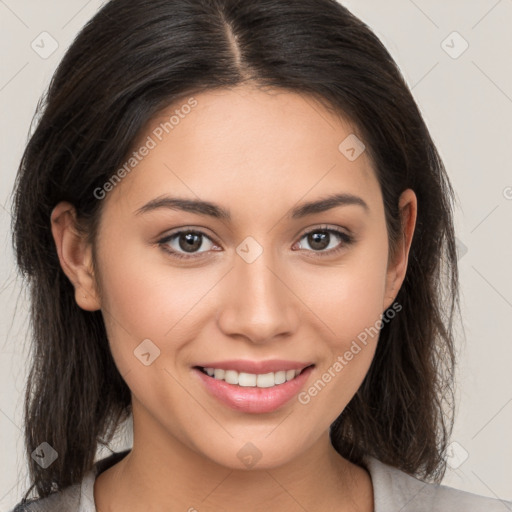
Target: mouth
(258, 391)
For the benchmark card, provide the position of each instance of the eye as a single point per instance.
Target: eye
(185, 243)
(321, 240)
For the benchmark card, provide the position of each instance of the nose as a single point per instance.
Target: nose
(259, 304)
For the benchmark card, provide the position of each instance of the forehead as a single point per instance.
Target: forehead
(255, 146)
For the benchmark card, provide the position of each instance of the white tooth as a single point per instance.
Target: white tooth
(290, 374)
(280, 377)
(265, 380)
(219, 373)
(231, 377)
(247, 379)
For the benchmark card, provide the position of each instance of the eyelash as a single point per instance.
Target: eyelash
(346, 239)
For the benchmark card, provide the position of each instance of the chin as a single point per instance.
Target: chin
(254, 452)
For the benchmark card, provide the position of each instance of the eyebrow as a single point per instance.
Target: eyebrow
(213, 210)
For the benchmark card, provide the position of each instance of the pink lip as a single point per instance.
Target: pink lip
(253, 399)
(258, 367)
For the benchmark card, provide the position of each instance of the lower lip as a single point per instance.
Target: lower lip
(253, 399)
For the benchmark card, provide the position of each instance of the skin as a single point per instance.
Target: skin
(259, 154)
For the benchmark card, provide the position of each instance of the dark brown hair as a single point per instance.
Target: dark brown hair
(131, 60)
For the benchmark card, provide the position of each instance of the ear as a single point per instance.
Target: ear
(75, 256)
(397, 267)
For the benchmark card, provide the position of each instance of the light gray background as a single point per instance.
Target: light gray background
(467, 104)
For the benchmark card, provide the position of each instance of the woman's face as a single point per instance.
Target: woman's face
(248, 287)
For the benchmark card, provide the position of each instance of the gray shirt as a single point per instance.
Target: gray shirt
(394, 491)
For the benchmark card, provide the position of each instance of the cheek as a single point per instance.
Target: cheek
(143, 298)
(355, 319)
(348, 297)
(143, 288)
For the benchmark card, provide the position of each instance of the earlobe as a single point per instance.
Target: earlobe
(75, 255)
(398, 267)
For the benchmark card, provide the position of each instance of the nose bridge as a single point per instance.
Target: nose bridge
(258, 304)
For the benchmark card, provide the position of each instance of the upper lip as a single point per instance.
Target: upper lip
(256, 367)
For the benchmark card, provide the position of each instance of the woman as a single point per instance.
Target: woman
(233, 217)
